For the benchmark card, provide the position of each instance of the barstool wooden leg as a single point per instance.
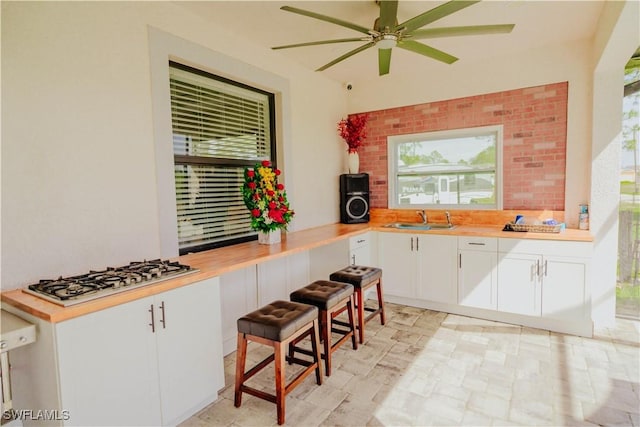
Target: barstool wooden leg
(280, 381)
(315, 347)
(381, 303)
(360, 308)
(351, 313)
(325, 329)
(241, 358)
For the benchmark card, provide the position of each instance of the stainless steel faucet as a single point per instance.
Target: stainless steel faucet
(423, 215)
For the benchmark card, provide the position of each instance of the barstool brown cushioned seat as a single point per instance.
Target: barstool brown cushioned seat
(362, 278)
(277, 325)
(331, 298)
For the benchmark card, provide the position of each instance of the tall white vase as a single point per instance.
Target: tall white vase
(354, 162)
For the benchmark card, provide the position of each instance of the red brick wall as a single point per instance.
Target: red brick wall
(534, 140)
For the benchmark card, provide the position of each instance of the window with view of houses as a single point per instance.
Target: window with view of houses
(447, 169)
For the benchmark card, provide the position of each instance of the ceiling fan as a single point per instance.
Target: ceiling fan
(387, 33)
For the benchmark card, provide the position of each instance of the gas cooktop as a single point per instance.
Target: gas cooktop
(97, 284)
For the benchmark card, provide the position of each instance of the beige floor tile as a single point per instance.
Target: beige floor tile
(427, 368)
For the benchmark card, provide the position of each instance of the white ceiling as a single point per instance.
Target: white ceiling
(538, 23)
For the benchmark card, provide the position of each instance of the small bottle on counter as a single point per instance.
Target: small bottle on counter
(583, 222)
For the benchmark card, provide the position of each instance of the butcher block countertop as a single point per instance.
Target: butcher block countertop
(216, 262)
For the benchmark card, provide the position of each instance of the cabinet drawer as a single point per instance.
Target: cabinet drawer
(546, 247)
(488, 244)
(359, 241)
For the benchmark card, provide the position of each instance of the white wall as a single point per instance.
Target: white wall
(617, 38)
(78, 157)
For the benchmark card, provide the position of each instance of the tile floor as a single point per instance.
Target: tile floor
(430, 368)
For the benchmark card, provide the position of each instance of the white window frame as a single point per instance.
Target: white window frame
(164, 47)
(394, 141)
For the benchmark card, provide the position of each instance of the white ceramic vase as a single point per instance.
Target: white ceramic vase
(269, 238)
(354, 162)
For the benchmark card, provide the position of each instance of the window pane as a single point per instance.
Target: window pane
(210, 206)
(216, 119)
(444, 168)
(455, 189)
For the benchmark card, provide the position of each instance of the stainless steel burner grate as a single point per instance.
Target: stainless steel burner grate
(98, 284)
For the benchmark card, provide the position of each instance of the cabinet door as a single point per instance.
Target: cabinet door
(360, 256)
(360, 250)
(519, 284)
(279, 277)
(477, 279)
(398, 262)
(437, 256)
(108, 367)
(238, 290)
(189, 340)
(564, 289)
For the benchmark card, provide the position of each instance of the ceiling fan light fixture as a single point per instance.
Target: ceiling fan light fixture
(387, 41)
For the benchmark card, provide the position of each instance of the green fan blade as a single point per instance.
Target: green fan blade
(472, 30)
(357, 39)
(326, 19)
(384, 61)
(425, 50)
(388, 15)
(435, 14)
(346, 55)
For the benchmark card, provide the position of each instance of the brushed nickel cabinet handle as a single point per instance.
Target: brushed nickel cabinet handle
(163, 319)
(153, 320)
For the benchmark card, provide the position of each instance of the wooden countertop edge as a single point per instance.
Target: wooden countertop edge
(224, 260)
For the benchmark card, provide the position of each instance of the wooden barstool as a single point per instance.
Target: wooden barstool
(277, 325)
(331, 298)
(362, 278)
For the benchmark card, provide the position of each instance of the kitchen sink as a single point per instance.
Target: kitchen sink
(419, 226)
(441, 226)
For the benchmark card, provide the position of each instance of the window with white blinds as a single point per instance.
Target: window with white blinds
(219, 128)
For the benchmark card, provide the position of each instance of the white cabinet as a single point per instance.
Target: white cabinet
(519, 284)
(325, 259)
(239, 293)
(544, 278)
(477, 272)
(398, 260)
(279, 277)
(438, 268)
(152, 361)
(419, 266)
(360, 250)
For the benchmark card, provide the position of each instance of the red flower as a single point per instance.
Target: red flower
(277, 172)
(266, 163)
(280, 187)
(352, 130)
(270, 192)
(272, 205)
(276, 215)
(256, 196)
(252, 185)
(251, 173)
(255, 212)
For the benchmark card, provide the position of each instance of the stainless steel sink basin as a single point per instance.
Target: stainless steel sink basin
(419, 226)
(439, 226)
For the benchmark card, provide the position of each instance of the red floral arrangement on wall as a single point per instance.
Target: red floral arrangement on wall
(353, 131)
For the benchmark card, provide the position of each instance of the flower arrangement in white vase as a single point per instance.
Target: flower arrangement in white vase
(353, 131)
(267, 202)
